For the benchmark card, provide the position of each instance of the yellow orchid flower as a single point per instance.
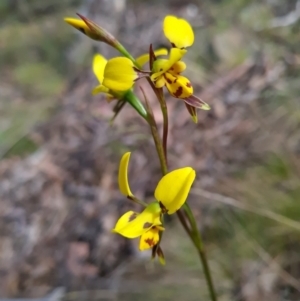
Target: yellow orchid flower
(167, 72)
(117, 84)
(171, 193)
(117, 75)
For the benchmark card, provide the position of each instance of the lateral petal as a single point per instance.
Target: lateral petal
(143, 222)
(119, 74)
(99, 63)
(144, 58)
(173, 189)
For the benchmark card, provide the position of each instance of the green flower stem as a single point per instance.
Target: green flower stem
(185, 225)
(161, 148)
(125, 52)
(157, 141)
(201, 251)
(137, 201)
(164, 111)
(160, 96)
(194, 234)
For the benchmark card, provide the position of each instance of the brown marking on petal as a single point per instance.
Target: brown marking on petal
(169, 81)
(147, 225)
(178, 92)
(161, 69)
(132, 217)
(173, 45)
(163, 208)
(188, 84)
(175, 80)
(150, 242)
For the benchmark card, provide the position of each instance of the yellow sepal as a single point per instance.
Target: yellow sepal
(123, 175)
(100, 89)
(178, 31)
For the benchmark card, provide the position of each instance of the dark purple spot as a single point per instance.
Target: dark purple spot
(178, 92)
(132, 216)
(163, 208)
(150, 242)
(147, 225)
(168, 80)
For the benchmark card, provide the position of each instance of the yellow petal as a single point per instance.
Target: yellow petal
(178, 67)
(100, 89)
(149, 239)
(123, 175)
(124, 220)
(143, 59)
(161, 66)
(143, 222)
(173, 189)
(119, 74)
(99, 63)
(178, 86)
(178, 31)
(160, 82)
(81, 26)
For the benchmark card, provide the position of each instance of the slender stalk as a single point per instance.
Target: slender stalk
(207, 274)
(194, 233)
(155, 135)
(161, 148)
(164, 111)
(201, 251)
(185, 225)
(137, 201)
(160, 96)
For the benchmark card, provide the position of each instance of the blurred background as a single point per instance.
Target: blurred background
(59, 197)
